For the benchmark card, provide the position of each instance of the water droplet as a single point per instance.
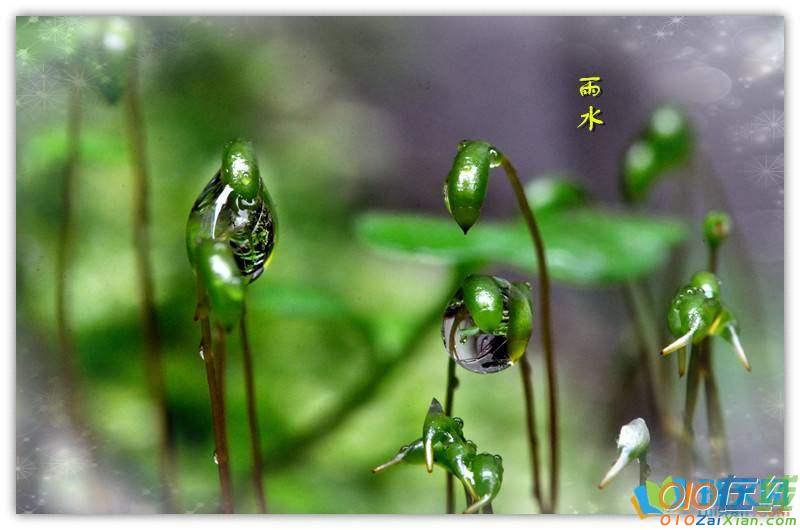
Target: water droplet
(202, 351)
(249, 225)
(216, 459)
(469, 346)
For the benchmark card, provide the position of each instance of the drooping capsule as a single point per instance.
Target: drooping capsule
(235, 207)
(633, 443)
(486, 480)
(690, 315)
(639, 170)
(465, 187)
(219, 275)
(487, 324)
(716, 228)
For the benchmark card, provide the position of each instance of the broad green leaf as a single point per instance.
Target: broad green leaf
(584, 246)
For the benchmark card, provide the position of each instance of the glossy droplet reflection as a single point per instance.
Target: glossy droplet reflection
(481, 350)
(248, 225)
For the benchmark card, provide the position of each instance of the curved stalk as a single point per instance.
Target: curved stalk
(547, 337)
(252, 415)
(211, 350)
(452, 384)
(141, 242)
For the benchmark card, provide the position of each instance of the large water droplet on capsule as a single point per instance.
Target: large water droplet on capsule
(472, 348)
(249, 225)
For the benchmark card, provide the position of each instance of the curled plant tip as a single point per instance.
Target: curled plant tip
(220, 277)
(681, 342)
(683, 357)
(411, 453)
(716, 228)
(552, 192)
(465, 187)
(727, 327)
(487, 478)
(488, 323)
(439, 428)
(633, 443)
(236, 207)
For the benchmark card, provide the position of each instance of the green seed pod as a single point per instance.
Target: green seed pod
(219, 275)
(553, 193)
(689, 318)
(484, 301)
(639, 170)
(465, 187)
(439, 428)
(669, 133)
(236, 207)
(708, 282)
(716, 227)
(727, 327)
(471, 332)
(486, 479)
(240, 168)
(458, 460)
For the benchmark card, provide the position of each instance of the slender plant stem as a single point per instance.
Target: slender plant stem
(547, 336)
(141, 241)
(452, 384)
(648, 352)
(252, 415)
(644, 470)
(692, 387)
(716, 422)
(211, 349)
(67, 361)
(530, 423)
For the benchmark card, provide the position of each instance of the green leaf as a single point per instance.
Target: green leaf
(584, 246)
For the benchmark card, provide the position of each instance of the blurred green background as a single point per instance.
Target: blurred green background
(350, 116)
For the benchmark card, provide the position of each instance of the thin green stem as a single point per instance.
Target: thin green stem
(141, 242)
(530, 423)
(644, 470)
(547, 336)
(692, 388)
(210, 349)
(252, 415)
(452, 384)
(67, 360)
(716, 420)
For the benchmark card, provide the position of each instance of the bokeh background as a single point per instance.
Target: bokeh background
(357, 114)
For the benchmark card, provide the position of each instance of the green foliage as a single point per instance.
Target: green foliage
(584, 246)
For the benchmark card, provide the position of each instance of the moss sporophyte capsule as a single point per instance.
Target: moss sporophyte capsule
(236, 207)
(696, 312)
(443, 444)
(633, 443)
(465, 186)
(487, 324)
(107, 47)
(716, 228)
